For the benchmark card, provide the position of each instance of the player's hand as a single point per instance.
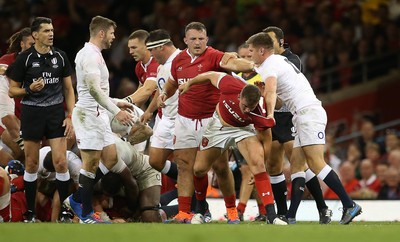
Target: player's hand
(261, 86)
(146, 117)
(3, 68)
(124, 105)
(37, 85)
(227, 56)
(69, 129)
(125, 118)
(183, 88)
(161, 100)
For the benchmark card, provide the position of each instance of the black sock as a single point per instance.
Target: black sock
(280, 192)
(86, 191)
(63, 189)
(271, 214)
(30, 194)
(315, 190)
(167, 197)
(77, 195)
(173, 171)
(201, 206)
(298, 185)
(333, 182)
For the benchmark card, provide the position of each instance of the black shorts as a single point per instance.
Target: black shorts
(282, 131)
(39, 122)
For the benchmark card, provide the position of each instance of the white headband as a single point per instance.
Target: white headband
(157, 43)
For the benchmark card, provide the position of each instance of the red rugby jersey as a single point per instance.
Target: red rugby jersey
(146, 71)
(200, 101)
(229, 108)
(9, 59)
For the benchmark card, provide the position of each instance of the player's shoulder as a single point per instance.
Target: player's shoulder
(8, 58)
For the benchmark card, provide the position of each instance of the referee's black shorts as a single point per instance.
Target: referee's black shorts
(39, 122)
(282, 131)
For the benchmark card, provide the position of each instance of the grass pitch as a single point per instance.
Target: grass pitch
(216, 231)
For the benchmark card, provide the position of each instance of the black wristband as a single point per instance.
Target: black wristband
(128, 99)
(28, 90)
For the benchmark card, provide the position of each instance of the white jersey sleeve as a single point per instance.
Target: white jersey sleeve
(74, 165)
(293, 87)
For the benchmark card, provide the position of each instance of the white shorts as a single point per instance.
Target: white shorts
(309, 125)
(163, 134)
(7, 104)
(188, 132)
(92, 129)
(147, 176)
(217, 135)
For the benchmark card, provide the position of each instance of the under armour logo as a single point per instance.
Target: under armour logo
(265, 194)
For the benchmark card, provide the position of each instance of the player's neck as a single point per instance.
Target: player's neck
(42, 49)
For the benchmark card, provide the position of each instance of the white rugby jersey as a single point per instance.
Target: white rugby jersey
(74, 165)
(163, 73)
(293, 87)
(89, 61)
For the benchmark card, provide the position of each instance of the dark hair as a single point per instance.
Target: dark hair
(261, 40)
(159, 34)
(111, 183)
(140, 34)
(243, 46)
(35, 26)
(15, 40)
(197, 26)
(251, 93)
(278, 33)
(48, 162)
(100, 23)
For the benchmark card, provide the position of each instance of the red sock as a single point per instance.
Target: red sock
(264, 189)
(241, 207)
(200, 187)
(184, 204)
(261, 209)
(230, 201)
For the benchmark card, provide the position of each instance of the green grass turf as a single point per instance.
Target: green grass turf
(247, 231)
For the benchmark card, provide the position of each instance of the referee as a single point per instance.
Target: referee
(42, 76)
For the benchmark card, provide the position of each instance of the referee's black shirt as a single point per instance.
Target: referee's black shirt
(53, 67)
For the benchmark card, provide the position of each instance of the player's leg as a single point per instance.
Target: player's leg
(158, 159)
(275, 170)
(253, 151)
(298, 178)
(149, 199)
(315, 161)
(58, 147)
(246, 189)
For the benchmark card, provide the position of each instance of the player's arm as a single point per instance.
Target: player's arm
(131, 188)
(236, 64)
(70, 103)
(210, 76)
(146, 116)
(143, 93)
(270, 95)
(93, 82)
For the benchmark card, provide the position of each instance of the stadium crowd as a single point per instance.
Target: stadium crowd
(324, 34)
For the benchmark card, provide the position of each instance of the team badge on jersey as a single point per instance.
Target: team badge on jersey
(204, 141)
(54, 62)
